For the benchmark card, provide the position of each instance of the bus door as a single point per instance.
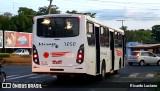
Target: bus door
(112, 50)
(97, 30)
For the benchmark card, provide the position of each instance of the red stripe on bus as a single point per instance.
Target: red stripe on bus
(119, 52)
(58, 54)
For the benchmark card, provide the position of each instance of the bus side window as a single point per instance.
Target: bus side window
(120, 40)
(106, 32)
(90, 34)
(116, 39)
(102, 37)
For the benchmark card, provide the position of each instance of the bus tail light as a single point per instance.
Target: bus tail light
(80, 54)
(35, 55)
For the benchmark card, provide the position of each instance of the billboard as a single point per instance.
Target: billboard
(17, 39)
(1, 39)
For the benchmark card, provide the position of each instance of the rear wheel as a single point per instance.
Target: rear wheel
(158, 63)
(116, 72)
(103, 72)
(141, 63)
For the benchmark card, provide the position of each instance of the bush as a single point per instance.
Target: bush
(4, 55)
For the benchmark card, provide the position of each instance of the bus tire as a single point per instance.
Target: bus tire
(103, 72)
(116, 72)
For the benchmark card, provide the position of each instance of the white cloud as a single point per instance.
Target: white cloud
(131, 14)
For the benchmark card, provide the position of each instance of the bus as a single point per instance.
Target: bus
(74, 44)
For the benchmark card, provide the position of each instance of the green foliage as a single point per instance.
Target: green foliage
(86, 13)
(26, 11)
(21, 22)
(140, 35)
(3, 55)
(156, 32)
(44, 10)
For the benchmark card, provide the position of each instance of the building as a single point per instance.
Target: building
(133, 46)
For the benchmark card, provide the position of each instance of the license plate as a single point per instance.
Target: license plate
(57, 62)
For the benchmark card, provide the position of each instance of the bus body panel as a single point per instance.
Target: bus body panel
(59, 54)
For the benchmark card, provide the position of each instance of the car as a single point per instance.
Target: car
(143, 57)
(21, 52)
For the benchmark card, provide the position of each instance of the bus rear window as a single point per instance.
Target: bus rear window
(58, 27)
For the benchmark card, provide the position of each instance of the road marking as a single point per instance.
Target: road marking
(150, 75)
(37, 76)
(20, 76)
(12, 76)
(133, 75)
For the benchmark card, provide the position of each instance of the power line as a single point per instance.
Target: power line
(121, 21)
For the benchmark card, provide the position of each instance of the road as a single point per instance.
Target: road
(23, 74)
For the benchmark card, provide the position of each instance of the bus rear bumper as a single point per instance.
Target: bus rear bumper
(57, 70)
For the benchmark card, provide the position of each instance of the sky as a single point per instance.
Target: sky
(137, 14)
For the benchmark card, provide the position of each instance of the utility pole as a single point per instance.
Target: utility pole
(49, 7)
(121, 21)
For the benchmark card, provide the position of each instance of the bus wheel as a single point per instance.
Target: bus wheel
(115, 72)
(103, 72)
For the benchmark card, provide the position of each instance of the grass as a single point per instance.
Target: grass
(17, 60)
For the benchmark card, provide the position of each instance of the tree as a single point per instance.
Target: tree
(4, 23)
(26, 11)
(156, 33)
(123, 28)
(86, 13)
(44, 10)
(140, 35)
(7, 14)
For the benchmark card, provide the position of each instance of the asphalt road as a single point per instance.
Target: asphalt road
(122, 80)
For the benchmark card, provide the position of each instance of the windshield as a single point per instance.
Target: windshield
(17, 51)
(58, 27)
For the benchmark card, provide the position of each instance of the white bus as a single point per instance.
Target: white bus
(73, 44)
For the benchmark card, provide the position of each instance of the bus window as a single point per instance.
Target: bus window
(120, 40)
(58, 27)
(90, 34)
(106, 33)
(102, 37)
(116, 39)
